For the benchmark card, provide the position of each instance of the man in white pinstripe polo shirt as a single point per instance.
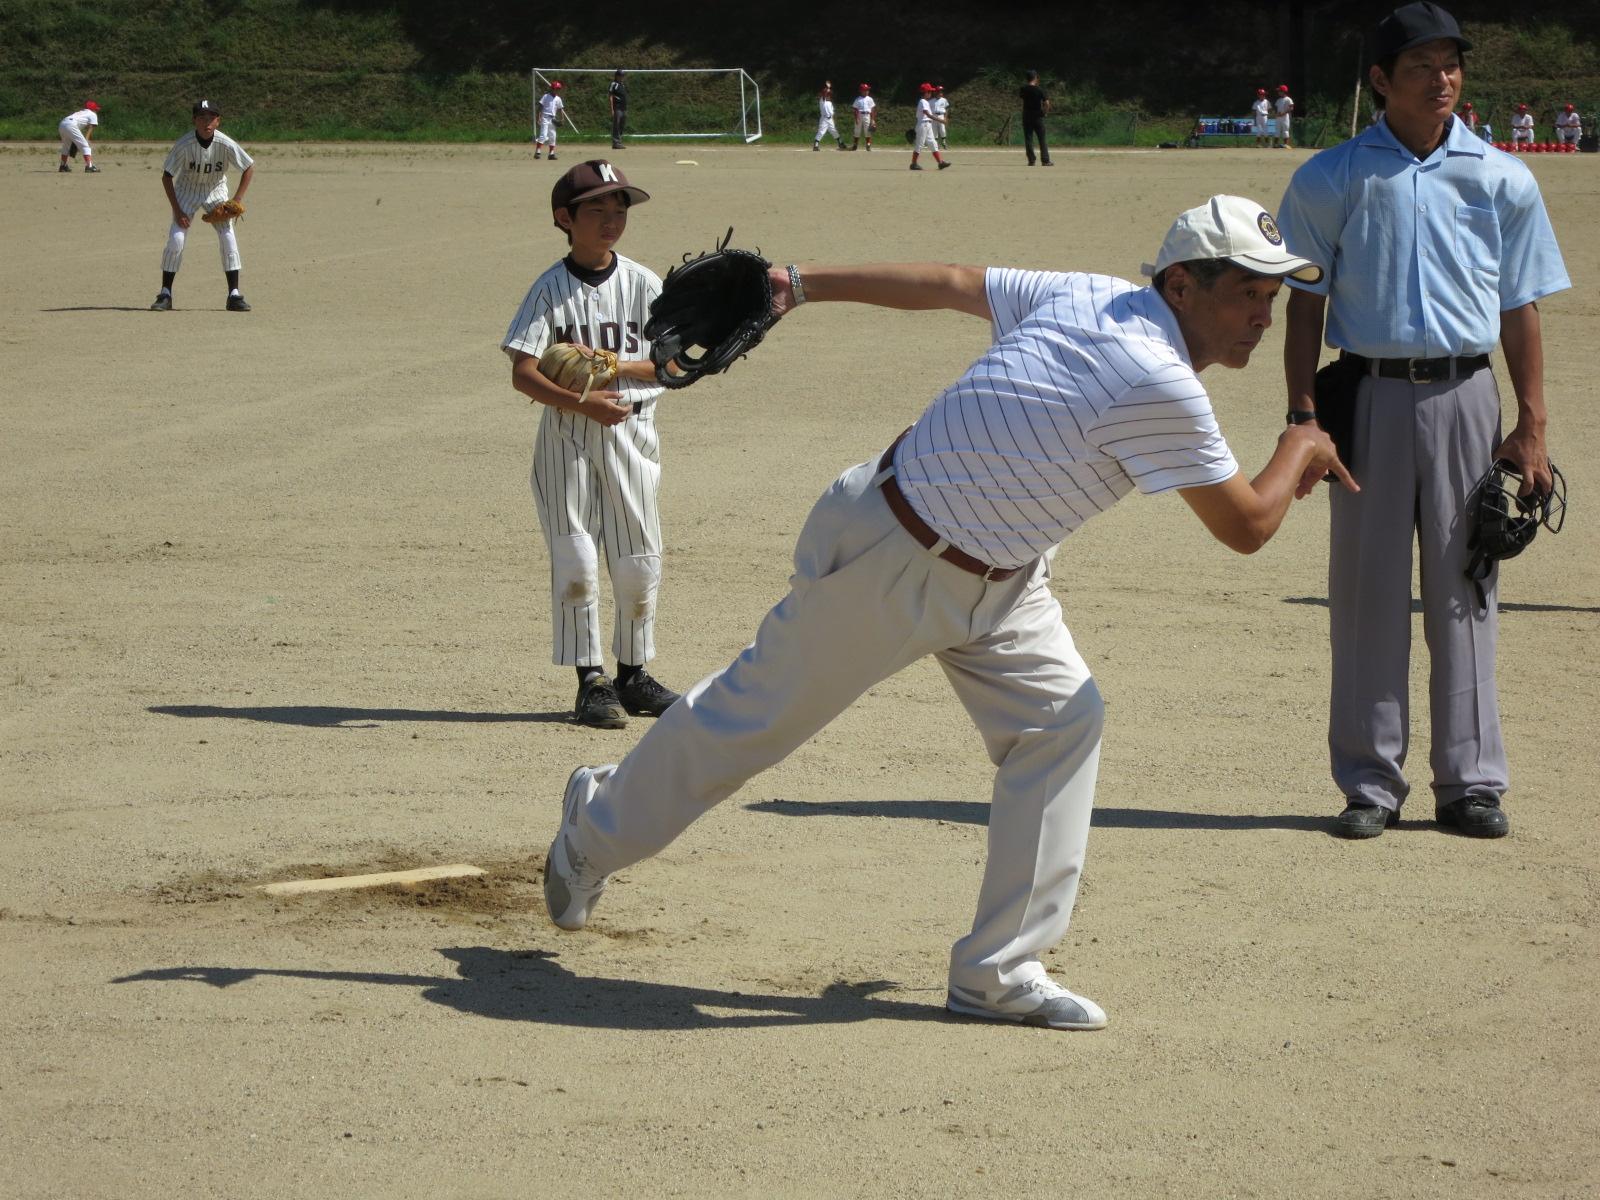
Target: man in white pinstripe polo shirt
(940, 546)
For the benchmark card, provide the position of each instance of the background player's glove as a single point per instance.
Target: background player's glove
(577, 368)
(73, 152)
(228, 210)
(720, 303)
(872, 125)
(1503, 524)
(911, 135)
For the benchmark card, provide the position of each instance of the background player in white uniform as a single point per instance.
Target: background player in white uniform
(1260, 111)
(550, 109)
(1284, 108)
(866, 119)
(941, 110)
(195, 178)
(825, 125)
(941, 547)
(1569, 126)
(926, 135)
(77, 129)
(1522, 126)
(596, 463)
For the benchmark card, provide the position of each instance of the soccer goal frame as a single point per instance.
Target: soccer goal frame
(747, 130)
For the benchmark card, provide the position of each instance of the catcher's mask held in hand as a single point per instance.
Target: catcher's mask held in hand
(1504, 523)
(719, 303)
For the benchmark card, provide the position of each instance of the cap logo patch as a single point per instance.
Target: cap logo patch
(608, 173)
(1269, 229)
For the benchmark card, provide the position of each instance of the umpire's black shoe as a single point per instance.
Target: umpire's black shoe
(237, 304)
(598, 706)
(645, 696)
(163, 302)
(1362, 820)
(1474, 816)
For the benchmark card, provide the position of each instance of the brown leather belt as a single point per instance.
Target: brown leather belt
(1423, 370)
(918, 528)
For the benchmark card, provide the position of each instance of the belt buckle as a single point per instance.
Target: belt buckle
(992, 574)
(1426, 375)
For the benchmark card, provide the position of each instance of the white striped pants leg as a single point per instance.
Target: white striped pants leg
(596, 489)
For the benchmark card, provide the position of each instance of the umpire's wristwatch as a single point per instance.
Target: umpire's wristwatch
(1299, 416)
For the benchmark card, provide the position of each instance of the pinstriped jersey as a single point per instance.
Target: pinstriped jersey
(606, 313)
(1086, 394)
(200, 173)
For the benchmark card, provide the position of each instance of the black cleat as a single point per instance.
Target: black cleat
(598, 706)
(237, 304)
(944, 166)
(645, 696)
(163, 303)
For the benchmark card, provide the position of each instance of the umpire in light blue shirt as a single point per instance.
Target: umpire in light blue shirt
(1434, 246)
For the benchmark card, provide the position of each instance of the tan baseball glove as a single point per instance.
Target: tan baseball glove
(228, 210)
(577, 368)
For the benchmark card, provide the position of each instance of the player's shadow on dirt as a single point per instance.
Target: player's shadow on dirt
(1506, 606)
(530, 985)
(972, 812)
(327, 716)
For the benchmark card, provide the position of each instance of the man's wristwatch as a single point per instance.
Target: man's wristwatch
(1299, 416)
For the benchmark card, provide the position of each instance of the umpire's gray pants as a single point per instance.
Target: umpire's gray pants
(1419, 448)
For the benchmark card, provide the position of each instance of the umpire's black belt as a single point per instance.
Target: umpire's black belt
(1423, 370)
(918, 528)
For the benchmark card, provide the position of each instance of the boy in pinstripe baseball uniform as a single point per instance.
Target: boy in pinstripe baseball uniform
(195, 178)
(596, 463)
(76, 130)
(941, 546)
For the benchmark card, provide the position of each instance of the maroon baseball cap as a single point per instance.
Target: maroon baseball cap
(587, 180)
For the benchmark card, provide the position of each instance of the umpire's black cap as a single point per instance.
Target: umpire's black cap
(587, 180)
(1413, 25)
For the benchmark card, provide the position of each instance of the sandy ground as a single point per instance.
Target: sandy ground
(273, 604)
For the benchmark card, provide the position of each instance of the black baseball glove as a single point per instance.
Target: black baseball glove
(1503, 524)
(719, 304)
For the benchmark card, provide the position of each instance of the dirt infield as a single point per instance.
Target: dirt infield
(274, 605)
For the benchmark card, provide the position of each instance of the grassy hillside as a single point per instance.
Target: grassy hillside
(330, 69)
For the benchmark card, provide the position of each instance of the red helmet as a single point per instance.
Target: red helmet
(556, 86)
(93, 107)
(1568, 108)
(925, 87)
(939, 87)
(1261, 91)
(1522, 108)
(865, 88)
(1468, 104)
(1283, 87)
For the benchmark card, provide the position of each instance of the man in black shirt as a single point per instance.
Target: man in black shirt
(617, 93)
(1035, 104)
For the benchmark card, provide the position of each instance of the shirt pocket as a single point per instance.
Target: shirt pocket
(1477, 238)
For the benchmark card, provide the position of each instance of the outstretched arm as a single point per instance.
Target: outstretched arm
(1242, 515)
(887, 285)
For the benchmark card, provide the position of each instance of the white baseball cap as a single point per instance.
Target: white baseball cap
(1237, 230)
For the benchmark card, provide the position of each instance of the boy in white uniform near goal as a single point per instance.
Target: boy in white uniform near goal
(596, 462)
(825, 125)
(550, 109)
(1284, 107)
(866, 121)
(77, 128)
(195, 178)
(1569, 126)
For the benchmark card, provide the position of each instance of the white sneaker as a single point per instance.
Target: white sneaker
(1040, 1001)
(571, 886)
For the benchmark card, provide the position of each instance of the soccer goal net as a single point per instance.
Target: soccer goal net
(663, 102)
